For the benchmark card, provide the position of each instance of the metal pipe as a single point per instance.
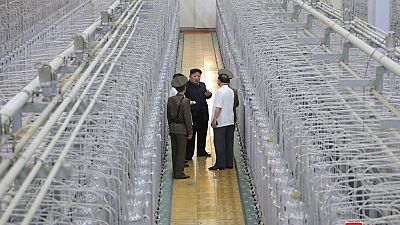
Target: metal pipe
(19, 100)
(61, 130)
(75, 132)
(6, 162)
(372, 52)
(361, 27)
(13, 172)
(39, 121)
(387, 150)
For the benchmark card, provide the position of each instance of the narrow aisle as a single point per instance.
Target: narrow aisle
(208, 197)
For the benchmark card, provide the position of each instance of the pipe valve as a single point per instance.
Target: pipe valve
(391, 44)
(347, 18)
(79, 47)
(48, 80)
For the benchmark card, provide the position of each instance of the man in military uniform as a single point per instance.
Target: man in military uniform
(180, 125)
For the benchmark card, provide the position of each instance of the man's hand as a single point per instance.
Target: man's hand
(214, 124)
(207, 93)
(189, 136)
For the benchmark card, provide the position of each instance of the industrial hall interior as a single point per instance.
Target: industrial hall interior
(200, 112)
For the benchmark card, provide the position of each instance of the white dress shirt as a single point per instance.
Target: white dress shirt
(224, 99)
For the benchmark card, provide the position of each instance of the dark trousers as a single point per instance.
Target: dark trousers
(223, 143)
(178, 144)
(200, 130)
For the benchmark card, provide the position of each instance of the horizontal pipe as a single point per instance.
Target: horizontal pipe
(19, 100)
(68, 98)
(357, 42)
(75, 132)
(6, 162)
(4, 218)
(64, 89)
(361, 27)
(385, 148)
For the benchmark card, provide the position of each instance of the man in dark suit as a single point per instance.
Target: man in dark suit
(196, 91)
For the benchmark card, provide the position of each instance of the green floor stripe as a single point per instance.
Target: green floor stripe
(166, 190)
(249, 212)
(166, 179)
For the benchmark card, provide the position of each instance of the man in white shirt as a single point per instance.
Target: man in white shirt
(223, 124)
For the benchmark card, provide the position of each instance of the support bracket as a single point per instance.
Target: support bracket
(354, 83)
(332, 57)
(296, 12)
(390, 123)
(65, 172)
(274, 5)
(380, 71)
(16, 121)
(346, 52)
(39, 107)
(327, 37)
(309, 24)
(310, 41)
(377, 83)
(284, 5)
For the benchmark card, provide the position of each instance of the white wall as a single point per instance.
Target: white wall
(337, 4)
(198, 13)
(187, 13)
(379, 14)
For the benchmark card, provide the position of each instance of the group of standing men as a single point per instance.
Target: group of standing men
(188, 117)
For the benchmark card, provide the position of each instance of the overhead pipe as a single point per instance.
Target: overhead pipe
(385, 148)
(357, 42)
(64, 152)
(19, 100)
(69, 97)
(389, 45)
(4, 218)
(361, 27)
(6, 162)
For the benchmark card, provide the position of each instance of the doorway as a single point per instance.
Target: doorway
(198, 14)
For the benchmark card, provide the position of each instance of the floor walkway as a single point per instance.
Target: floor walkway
(208, 197)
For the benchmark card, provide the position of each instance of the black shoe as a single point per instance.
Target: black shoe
(186, 161)
(182, 177)
(205, 154)
(216, 168)
(186, 164)
(229, 167)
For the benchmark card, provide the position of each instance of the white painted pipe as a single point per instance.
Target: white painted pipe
(19, 100)
(113, 6)
(57, 165)
(4, 218)
(361, 27)
(69, 97)
(6, 162)
(386, 149)
(370, 51)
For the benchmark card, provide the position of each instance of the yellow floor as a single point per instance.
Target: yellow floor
(207, 197)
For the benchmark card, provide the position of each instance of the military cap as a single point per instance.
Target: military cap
(226, 72)
(179, 81)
